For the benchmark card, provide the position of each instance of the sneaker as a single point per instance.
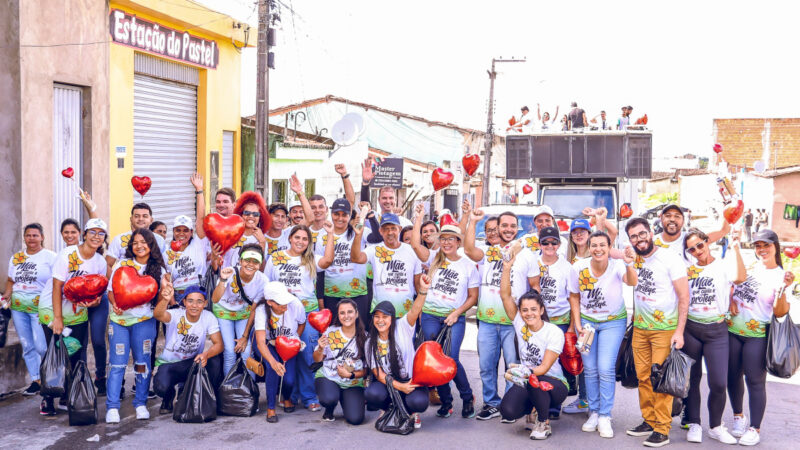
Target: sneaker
(445, 410)
(591, 423)
(488, 412)
(142, 413)
(468, 409)
(504, 420)
(531, 420)
(314, 407)
(63, 404)
(327, 416)
(739, 426)
(643, 429)
(100, 385)
(151, 394)
(576, 407)
(112, 416)
(166, 407)
(720, 433)
(684, 421)
(656, 439)
(541, 431)
(695, 433)
(604, 427)
(417, 421)
(33, 389)
(750, 437)
(47, 408)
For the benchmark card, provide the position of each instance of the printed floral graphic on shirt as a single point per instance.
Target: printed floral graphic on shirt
(279, 258)
(172, 256)
(19, 258)
(273, 322)
(383, 348)
(130, 263)
(325, 239)
(532, 242)
(637, 262)
(693, 272)
(544, 270)
(124, 240)
(526, 333)
(383, 254)
(658, 243)
(493, 254)
(183, 326)
(235, 286)
(407, 305)
(587, 281)
(74, 262)
(335, 340)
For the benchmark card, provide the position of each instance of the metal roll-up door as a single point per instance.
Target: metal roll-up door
(67, 144)
(227, 159)
(165, 145)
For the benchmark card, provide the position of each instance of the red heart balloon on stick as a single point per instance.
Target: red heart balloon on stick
(68, 172)
(625, 210)
(733, 211)
(470, 163)
(791, 252)
(141, 184)
(287, 347)
(441, 179)
(320, 320)
(717, 148)
(527, 189)
(131, 289)
(223, 231)
(431, 366)
(85, 288)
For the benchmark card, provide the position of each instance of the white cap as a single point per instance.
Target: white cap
(277, 292)
(183, 221)
(543, 209)
(294, 204)
(96, 223)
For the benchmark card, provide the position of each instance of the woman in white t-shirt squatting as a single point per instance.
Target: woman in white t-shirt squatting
(186, 330)
(278, 313)
(390, 354)
(29, 270)
(540, 342)
(595, 287)
(55, 311)
(340, 380)
(753, 304)
(133, 330)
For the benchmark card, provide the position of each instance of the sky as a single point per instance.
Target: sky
(682, 63)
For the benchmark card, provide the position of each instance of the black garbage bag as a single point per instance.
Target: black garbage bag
(672, 377)
(5, 318)
(677, 406)
(197, 402)
(238, 394)
(783, 348)
(396, 420)
(209, 282)
(445, 338)
(55, 368)
(625, 367)
(82, 397)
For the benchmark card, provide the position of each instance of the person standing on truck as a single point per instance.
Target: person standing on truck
(546, 122)
(577, 117)
(672, 237)
(624, 120)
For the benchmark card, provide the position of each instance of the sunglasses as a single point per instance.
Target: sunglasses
(549, 242)
(251, 213)
(699, 246)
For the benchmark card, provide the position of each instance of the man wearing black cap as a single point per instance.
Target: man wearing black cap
(672, 219)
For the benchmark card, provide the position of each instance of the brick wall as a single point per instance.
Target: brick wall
(743, 141)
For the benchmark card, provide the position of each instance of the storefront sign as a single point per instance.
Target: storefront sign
(389, 172)
(153, 38)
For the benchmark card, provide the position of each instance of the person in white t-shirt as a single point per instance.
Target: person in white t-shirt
(672, 237)
(141, 217)
(253, 210)
(187, 255)
(186, 331)
(277, 235)
(542, 217)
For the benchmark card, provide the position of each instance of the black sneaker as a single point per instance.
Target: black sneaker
(33, 389)
(151, 394)
(644, 429)
(445, 410)
(47, 408)
(656, 439)
(100, 385)
(488, 412)
(166, 407)
(468, 409)
(327, 416)
(684, 420)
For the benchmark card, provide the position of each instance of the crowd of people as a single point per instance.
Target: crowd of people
(391, 283)
(576, 119)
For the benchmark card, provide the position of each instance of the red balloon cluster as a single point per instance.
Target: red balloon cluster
(431, 366)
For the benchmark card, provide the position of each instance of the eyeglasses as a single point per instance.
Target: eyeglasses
(491, 231)
(549, 242)
(642, 235)
(96, 233)
(251, 213)
(699, 246)
(447, 239)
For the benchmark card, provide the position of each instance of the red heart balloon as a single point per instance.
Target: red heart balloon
(470, 163)
(792, 252)
(533, 380)
(625, 211)
(733, 211)
(570, 357)
(431, 366)
(320, 320)
(223, 231)
(131, 289)
(141, 184)
(441, 179)
(717, 148)
(447, 219)
(527, 189)
(287, 347)
(545, 386)
(68, 172)
(175, 245)
(85, 288)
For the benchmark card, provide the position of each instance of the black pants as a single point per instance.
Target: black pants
(747, 357)
(378, 398)
(170, 374)
(362, 301)
(79, 332)
(710, 342)
(520, 401)
(351, 399)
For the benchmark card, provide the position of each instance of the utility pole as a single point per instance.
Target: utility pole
(489, 139)
(261, 175)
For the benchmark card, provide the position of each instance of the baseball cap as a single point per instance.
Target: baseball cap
(580, 224)
(385, 307)
(549, 232)
(294, 204)
(390, 219)
(450, 229)
(277, 292)
(543, 209)
(276, 206)
(183, 221)
(95, 223)
(672, 206)
(767, 236)
(341, 205)
(191, 290)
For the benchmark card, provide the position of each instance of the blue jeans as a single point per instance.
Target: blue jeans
(138, 339)
(98, 328)
(581, 378)
(272, 381)
(304, 389)
(492, 338)
(31, 336)
(231, 330)
(598, 365)
(431, 325)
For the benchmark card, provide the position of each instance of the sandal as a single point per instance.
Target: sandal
(272, 416)
(288, 406)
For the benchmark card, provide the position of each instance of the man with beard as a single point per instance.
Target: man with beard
(672, 219)
(496, 331)
(661, 304)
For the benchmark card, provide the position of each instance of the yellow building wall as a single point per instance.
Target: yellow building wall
(218, 103)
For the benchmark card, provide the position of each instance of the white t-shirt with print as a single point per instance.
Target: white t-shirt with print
(187, 267)
(755, 299)
(231, 257)
(231, 305)
(341, 350)
(709, 291)
(317, 238)
(30, 274)
(186, 339)
(675, 246)
(553, 282)
(601, 296)
(116, 249)
(69, 264)
(655, 299)
(279, 243)
(490, 305)
(290, 271)
(393, 275)
(139, 313)
(450, 286)
(404, 340)
(281, 325)
(534, 344)
(344, 278)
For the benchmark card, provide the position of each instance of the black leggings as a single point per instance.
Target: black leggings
(79, 332)
(362, 301)
(708, 341)
(748, 357)
(170, 374)
(352, 399)
(378, 398)
(520, 401)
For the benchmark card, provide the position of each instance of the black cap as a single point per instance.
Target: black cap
(767, 236)
(341, 205)
(549, 232)
(386, 308)
(276, 206)
(672, 206)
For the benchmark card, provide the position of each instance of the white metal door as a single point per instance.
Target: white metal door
(67, 144)
(227, 159)
(165, 145)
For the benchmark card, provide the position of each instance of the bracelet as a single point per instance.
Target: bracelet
(344, 177)
(422, 293)
(198, 192)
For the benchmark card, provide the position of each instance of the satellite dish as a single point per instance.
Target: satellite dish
(344, 132)
(357, 119)
(759, 166)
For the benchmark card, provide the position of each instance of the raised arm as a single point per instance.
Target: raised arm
(327, 257)
(473, 217)
(509, 302)
(724, 229)
(89, 205)
(166, 296)
(366, 178)
(357, 255)
(555, 116)
(631, 277)
(741, 271)
(349, 193)
(224, 275)
(200, 204)
(297, 188)
(421, 251)
(538, 112)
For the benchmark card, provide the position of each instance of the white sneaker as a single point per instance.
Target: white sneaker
(541, 431)
(417, 421)
(604, 427)
(591, 423)
(721, 434)
(750, 437)
(531, 420)
(739, 426)
(695, 433)
(112, 416)
(142, 413)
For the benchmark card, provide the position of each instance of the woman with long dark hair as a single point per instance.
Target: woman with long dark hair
(341, 377)
(428, 232)
(133, 330)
